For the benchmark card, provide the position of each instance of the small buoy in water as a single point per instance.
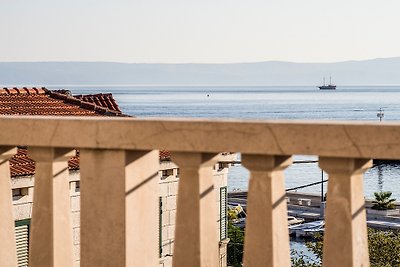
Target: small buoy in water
(208, 95)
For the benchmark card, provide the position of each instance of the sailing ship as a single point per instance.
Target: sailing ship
(330, 86)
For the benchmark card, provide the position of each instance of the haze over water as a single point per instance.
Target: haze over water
(359, 103)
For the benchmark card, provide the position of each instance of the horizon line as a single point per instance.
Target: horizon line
(199, 63)
(65, 86)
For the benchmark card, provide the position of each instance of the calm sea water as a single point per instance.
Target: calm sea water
(346, 103)
(359, 103)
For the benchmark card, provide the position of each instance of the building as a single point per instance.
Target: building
(44, 102)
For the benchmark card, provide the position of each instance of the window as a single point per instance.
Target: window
(77, 186)
(221, 166)
(160, 227)
(223, 212)
(22, 238)
(166, 173)
(19, 192)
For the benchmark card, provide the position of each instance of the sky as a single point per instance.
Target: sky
(201, 31)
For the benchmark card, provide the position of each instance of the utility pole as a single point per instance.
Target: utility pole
(380, 114)
(322, 186)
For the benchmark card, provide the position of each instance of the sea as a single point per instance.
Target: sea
(350, 103)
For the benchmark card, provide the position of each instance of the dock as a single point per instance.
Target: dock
(309, 207)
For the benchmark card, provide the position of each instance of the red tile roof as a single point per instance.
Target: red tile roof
(165, 155)
(103, 100)
(41, 101)
(22, 165)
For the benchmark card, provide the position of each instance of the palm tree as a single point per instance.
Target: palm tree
(383, 201)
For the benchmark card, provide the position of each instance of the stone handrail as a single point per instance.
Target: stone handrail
(119, 164)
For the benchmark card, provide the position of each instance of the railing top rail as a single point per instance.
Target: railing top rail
(324, 138)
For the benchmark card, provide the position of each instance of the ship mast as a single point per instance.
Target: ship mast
(330, 80)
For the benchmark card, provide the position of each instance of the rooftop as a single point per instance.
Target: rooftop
(103, 100)
(45, 102)
(41, 101)
(22, 165)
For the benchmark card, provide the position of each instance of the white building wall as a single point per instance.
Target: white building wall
(169, 174)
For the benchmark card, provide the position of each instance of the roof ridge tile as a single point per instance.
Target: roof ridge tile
(23, 90)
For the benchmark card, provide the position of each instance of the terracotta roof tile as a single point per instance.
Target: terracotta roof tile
(165, 155)
(34, 101)
(103, 100)
(41, 101)
(22, 165)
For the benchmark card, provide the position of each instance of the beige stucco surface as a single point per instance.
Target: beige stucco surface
(331, 139)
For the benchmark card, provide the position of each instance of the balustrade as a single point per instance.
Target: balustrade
(119, 187)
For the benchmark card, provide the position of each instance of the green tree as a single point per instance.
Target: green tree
(232, 214)
(235, 245)
(316, 246)
(384, 248)
(383, 201)
(301, 260)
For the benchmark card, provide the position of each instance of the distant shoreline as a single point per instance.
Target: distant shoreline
(189, 85)
(377, 72)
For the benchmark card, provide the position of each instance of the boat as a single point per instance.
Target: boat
(307, 229)
(330, 86)
(241, 223)
(292, 221)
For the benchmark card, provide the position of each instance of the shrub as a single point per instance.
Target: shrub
(384, 248)
(383, 201)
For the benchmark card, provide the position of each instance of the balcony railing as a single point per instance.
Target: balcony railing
(119, 187)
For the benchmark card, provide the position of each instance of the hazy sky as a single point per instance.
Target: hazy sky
(198, 31)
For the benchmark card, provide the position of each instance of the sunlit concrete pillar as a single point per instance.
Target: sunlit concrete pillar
(8, 250)
(345, 238)
(266, 236)
(51, 242)
(119, 208)
(102, 207)
(142, 208)
(196, 234)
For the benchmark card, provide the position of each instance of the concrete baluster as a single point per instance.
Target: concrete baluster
(142, 208)
(8, 250)
(196, 234)
(119, 208)
(267, 237)
(51, 240)
(102, 207)
(345, 238)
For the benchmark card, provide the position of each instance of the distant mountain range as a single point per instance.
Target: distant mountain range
(368, 72)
